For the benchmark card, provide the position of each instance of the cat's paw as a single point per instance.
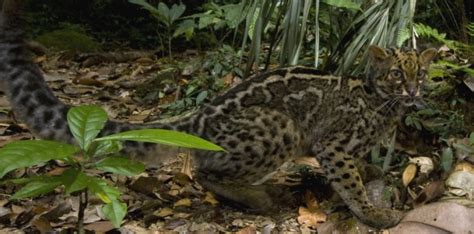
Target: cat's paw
(381, 218)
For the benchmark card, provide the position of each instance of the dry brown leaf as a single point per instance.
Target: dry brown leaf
(187, 165)
(311, 201)
(464, 166)
(40, 59)
(174, 190)
(99, 227)
(211, 199)
(228, 79)
(145, 61)
(146, 185)
(42, 224)
(431, 191)
(408, 174)
(181, 179)
(183, 202)
(17, 209)
(311, 218)
(164, 212)
(247, 230)
(56, 171)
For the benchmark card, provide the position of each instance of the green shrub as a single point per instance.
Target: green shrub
(70, 38)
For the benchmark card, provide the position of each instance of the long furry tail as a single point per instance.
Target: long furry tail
(34, 103)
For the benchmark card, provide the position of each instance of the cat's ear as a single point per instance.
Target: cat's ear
(377, 54)
(428, 55)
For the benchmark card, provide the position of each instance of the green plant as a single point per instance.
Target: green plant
(71, 38)
(442, 123)
(169, 17)
(219, 18)
(85, 123)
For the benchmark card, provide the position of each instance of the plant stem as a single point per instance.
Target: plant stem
(83, 200)
(169, 43)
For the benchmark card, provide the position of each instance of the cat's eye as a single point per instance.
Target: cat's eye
(397, 74)
(421, 73)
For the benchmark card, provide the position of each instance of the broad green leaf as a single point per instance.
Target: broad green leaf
(343, 4)
(447, 159)
(176, 11)
(74, 180)
(102, 190)
(164, 14)
(186, 27)
(233, 14)
(166, 137)
(38, 187)
(85, 123)
(20, 154)
(120, 165)
(145, 6)
(201, 97)
(205, 21)
(115, 212)
(104, 148)
(471, 138)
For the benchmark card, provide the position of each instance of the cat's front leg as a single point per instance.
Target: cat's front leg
(346, 181)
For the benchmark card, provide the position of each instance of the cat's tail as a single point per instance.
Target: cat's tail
(34, 103)
(22, 81)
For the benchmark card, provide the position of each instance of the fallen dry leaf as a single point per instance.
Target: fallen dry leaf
(211, 199)
(408, 174)
(425, 163)
(42, 224)
(431, 191)
(99, 227)
(247, 230)
(311, 218)
(164, 212)
(448, 216)
(464, 166)
(461, 183)
(183, 202)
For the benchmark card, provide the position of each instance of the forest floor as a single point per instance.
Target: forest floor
(168, 199)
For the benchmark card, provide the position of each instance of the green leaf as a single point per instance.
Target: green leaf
(201, 97)
(166, 137)
(205, 21)
(120, 165)
(176, 12)
(104, 148)
(233, 14)
(74, 180)
(145, 5)
(343, 4)
(115, 212)
(85, 123)
(447, 159)
(21, 154)
(187, 28)
(164, 14)
(38, 186)
(102, 190)
(471, 138)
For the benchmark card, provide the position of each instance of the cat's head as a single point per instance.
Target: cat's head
(399, 74)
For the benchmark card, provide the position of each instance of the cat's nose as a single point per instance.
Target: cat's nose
(411, 90)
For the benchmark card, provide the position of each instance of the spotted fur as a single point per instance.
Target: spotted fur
(262, 122)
